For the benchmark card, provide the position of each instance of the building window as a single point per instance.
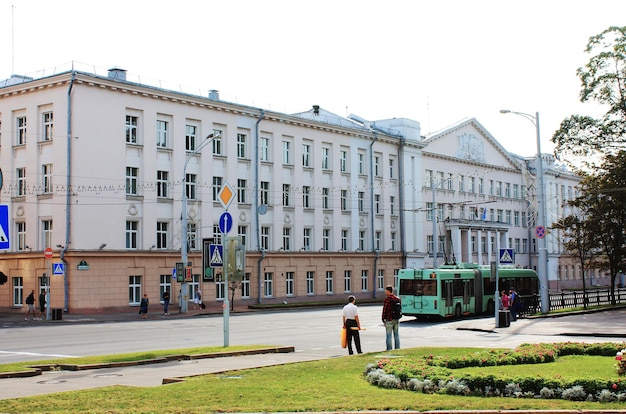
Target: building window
(18, 291)
(361, 162)
(190, 186)
(392, 205)
(162, 177)
(286, 153)
(20, 139)
(132, 231)
(245, 286)
(326, 198)
(286, 239)
(268, 284)
(264, 154)
(48, 126)
(344, 200)
(161, 235)
(392, 171)
(46, 236)
(326, 239)
(325, 158)
(310, 283)
(242, 232)
(192, 236)
(161, 139)
(217, 234)
(191, 133)
(343, 161)
(242, 148)
(393, 241)
(362, 240)
(265, 238)
(264, 193)
(515, 190)
(380, 280)
(134, 290)
(46, 175)
(376, 166)
(329, 282)
(131, 180)
(347, 281)
(131, 129)
(306, 196)
(306, 239)
(377, 237)
(306, 155)
(242, 186)
(461, 183)
(507, 190)
(165, 285)
(344, 239)
(290, 283)
(220, 288)
(481, 186)
(377, 203)
(217, 187)
(364, 281)
(20, 230)
(21, 181)
(361, 201)
(217, 142)
(286, 191)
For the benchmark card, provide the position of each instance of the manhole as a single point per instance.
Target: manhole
(51, 382)
(106, 375)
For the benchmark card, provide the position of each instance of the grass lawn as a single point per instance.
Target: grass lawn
(328, 385)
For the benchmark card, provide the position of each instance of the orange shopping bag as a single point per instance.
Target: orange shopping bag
(344, 338)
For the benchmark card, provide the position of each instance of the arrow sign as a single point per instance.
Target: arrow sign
(226, 222)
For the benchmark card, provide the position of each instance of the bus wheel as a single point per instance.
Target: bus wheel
(457, 311)
(491, 309)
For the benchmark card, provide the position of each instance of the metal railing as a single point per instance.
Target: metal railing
(571, 299)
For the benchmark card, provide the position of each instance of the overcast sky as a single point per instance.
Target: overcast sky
(437, 62)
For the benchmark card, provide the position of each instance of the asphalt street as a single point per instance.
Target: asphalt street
(585, 327)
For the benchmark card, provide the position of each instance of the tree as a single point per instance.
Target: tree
(578, 240)
(602, 205)
(603, 80)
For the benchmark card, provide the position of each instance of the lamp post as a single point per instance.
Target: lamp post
(542, 265)
(184, 304)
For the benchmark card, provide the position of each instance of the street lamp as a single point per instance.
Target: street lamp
(183, 222)
(542, 266)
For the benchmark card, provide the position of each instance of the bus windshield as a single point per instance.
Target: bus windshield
(427, 287)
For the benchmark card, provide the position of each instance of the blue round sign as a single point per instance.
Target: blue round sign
(226, 222)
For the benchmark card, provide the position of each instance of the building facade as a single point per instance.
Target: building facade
(94, 167)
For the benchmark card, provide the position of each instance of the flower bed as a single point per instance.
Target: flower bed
(432, 374)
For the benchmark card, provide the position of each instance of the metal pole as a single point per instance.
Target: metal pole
(542, 257)
(184, 297)
(434, 217)
(542, 267)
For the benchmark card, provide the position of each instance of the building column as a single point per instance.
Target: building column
(479, 250)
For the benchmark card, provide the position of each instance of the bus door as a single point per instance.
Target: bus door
(447, 292)
(467, 296)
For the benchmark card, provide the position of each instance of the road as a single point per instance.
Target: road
(314, 332)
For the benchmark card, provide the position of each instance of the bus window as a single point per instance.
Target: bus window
(418, 287)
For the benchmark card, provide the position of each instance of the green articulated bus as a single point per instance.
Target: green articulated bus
(461, 289)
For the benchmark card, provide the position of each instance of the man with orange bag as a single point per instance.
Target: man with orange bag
(352, 325)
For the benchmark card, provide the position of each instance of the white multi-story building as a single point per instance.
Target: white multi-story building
(95, 166)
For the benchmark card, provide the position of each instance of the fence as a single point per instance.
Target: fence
(573, 299)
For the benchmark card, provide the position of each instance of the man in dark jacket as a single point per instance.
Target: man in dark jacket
(391, 324)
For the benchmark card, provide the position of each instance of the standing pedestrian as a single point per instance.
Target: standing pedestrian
(166, 302)
(515, 304)
(504, 299)
(30, 301)
(143, 306)
(391, 317)
(42, 304)
(198, 299)
(352, 325)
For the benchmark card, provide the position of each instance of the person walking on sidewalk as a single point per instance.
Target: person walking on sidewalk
(390, 318)
(30, 301)
(42, 304)
(143, 306)
(352, 325)
(166, 302)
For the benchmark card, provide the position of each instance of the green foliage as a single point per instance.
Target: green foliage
(451, 376)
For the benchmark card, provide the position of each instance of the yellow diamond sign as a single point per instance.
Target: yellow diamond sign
(226, 195)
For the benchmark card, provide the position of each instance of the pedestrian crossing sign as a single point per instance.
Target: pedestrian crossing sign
(506, 256)
(216, 254)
